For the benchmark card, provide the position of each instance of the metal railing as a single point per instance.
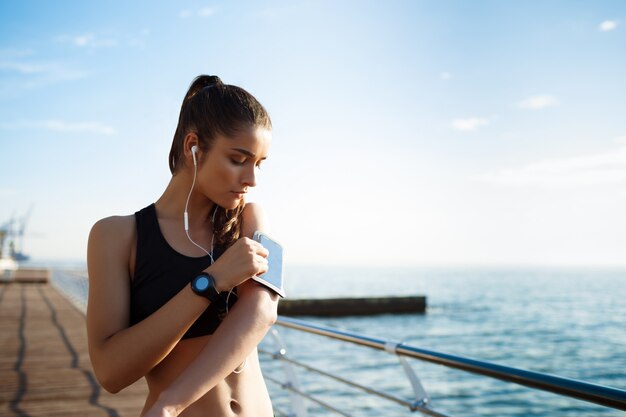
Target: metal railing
(594, 393)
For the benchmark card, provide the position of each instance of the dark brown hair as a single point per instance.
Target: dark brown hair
(212, 108)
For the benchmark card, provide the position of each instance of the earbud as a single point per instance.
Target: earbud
(194, 149)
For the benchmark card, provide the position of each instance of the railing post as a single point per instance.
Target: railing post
(297, 404)
(421, 397)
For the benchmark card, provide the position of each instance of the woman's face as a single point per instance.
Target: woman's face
(230, 167)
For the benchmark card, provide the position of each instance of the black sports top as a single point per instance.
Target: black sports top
(161, 272)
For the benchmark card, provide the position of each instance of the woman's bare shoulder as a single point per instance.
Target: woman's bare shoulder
(113, 230)
(115, 225)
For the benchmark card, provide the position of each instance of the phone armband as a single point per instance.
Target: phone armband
(273, 278)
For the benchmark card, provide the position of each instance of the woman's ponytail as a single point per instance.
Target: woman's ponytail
(201, 82)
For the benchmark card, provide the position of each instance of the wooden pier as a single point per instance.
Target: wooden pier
(44, 363)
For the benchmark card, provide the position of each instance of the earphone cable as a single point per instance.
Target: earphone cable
(195, 168)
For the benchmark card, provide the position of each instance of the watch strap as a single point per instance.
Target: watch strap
(210, 292)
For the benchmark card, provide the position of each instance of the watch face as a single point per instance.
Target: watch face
(202, 283)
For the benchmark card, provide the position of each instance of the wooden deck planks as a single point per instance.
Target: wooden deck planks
(44, 362)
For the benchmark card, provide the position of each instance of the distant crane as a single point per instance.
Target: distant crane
(18, 253)
(3, 234)
(12, 233)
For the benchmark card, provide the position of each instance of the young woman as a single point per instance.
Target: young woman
(170, 297)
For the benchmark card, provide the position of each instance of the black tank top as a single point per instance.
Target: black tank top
(161, 272)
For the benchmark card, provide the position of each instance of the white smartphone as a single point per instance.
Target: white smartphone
(273, 278)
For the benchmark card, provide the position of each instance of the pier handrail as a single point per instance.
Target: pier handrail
(598, 394)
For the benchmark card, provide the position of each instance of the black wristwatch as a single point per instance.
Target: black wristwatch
(204, 284)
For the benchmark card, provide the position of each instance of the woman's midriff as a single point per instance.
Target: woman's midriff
(238, 395)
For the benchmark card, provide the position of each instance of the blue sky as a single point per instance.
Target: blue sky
(405, 132)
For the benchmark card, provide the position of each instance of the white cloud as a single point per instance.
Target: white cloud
(87, 40)
(61, 126)
(33, 73)
(607, 25)
(470, 124)
(83, 40)
(20, 61)
(184, 14)
(207, 11)
(608, 167)
(621, 139)
(26, 67)
(538, 102)
(445, 76)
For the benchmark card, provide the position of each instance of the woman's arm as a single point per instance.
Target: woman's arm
(240, 332)
(120, 354)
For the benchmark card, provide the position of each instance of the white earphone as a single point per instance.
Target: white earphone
(194, 149)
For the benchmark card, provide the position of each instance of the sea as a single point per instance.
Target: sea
(569, 322)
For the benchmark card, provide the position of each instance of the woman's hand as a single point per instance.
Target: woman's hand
(244, 259)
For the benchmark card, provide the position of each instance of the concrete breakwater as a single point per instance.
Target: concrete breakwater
(352, 306)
